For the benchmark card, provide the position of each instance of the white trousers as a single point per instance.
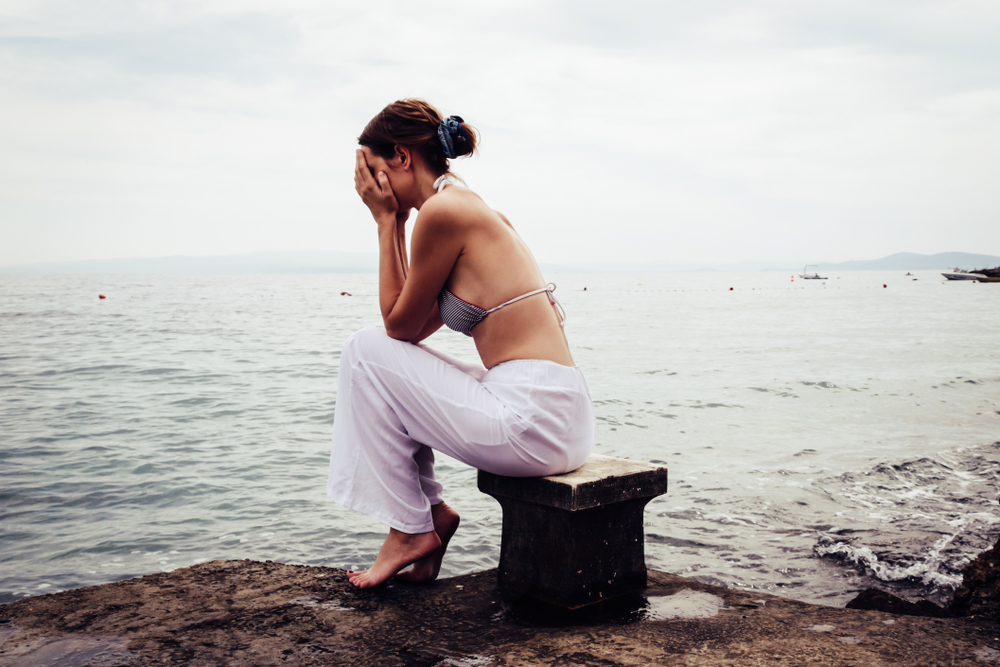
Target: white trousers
(397, 402)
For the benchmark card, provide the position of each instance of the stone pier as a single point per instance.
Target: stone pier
(244, 613)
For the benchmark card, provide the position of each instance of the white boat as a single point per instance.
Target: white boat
(959, 274)
(805, 275)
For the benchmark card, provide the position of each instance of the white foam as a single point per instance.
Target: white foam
(925, 571)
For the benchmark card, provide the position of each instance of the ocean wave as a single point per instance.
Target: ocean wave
(927, 572)
(918, 521)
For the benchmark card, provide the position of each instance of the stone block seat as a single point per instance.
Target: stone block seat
(576, 539)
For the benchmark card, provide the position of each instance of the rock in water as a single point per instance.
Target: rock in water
(876, 600)
(979, 594)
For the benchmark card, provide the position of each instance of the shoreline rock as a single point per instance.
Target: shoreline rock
(978, 596)
(254, 613)
(878, 600)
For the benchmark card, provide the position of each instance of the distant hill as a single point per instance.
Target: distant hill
(903, 261)
(334, 261)
(909, 261)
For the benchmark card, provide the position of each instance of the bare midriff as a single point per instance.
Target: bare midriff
(528, 329)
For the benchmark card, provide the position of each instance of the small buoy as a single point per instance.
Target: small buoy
(101, 296)
(730, 289)
(883, 285)
(584, 289)
(793, 280)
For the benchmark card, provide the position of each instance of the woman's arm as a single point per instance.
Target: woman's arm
(391, 266)
(433, 323)
(408, 293)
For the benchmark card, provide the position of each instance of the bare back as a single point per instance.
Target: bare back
(494, 266)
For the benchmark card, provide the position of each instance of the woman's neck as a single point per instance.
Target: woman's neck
(423, 183)
(424, 189)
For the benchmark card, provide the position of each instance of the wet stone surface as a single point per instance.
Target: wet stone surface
(253, 613)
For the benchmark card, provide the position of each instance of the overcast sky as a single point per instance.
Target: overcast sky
(711, 131)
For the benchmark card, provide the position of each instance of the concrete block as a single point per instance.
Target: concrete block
(576, 539)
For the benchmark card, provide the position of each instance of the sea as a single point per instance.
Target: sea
(822, 436)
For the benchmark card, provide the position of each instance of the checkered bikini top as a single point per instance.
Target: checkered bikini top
(463, 316)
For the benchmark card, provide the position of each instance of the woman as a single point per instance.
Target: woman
(526, 412)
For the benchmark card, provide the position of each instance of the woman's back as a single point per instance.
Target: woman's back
(495, 266)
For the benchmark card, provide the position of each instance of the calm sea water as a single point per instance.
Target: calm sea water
(822, 436)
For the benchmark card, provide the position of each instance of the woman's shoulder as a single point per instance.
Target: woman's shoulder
(455, 205)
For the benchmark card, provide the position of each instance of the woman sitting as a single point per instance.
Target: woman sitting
(525, 412)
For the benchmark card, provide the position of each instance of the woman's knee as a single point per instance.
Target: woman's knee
(365, 344)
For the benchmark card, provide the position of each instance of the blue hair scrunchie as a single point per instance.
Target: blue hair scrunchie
(448, 129)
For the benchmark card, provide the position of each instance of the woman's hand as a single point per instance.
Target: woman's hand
(376, 193)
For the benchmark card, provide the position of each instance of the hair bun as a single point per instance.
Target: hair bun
(454, 136)
(465, 142)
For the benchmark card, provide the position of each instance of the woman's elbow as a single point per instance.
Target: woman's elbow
(400, 330)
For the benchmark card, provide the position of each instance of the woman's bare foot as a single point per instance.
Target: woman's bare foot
(399, 550)
(426, 569)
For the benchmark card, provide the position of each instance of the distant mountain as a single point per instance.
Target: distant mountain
(903, 261)
(909, 261)
(335, 261)
(317, 261)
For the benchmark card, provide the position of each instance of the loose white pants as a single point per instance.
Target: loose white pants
(397, 402)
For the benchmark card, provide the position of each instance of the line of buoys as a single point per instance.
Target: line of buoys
(101, 296)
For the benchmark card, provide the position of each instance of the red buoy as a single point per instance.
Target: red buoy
(101, 296)
(730, 289)
(883, 285)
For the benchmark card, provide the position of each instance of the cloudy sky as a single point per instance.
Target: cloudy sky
(711, 131)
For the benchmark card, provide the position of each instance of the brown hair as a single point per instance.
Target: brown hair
(413, 124)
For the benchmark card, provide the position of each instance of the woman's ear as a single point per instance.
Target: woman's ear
(404, 157)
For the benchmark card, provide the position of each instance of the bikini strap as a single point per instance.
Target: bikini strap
(548, 289)
(443, 180)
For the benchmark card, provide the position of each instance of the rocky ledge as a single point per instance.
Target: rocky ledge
(253, 613)
(978, 596)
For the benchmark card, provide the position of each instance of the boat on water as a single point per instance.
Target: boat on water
(959, 274)
(990, 275)
(805, 275)
(982, 275)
